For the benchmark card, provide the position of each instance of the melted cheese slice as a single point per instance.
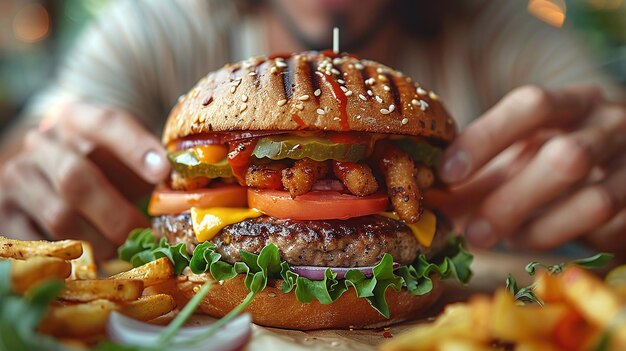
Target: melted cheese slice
(424, 230)
(208, 222)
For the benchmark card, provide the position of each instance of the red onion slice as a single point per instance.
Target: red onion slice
(329, 185)
(231, 337)
(317, 273)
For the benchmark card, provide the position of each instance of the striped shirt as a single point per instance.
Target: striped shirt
(141, 55)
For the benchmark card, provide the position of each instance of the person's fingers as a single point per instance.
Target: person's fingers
(584, 211)
(610, 237)
(518, 115)
(14, 223)
(456, 200)
(84, 188)
(562, 162)
(34, 195)
(120, 133)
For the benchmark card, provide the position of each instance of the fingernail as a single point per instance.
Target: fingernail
(155, 164)
(456, 168)
(480, 233)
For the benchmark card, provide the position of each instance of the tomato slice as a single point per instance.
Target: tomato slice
(315, 205)
(166, 201)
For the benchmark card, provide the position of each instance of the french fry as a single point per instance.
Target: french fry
(595, 301)
(84, 267)
(548, 288)
(148, 307)
(151, 273)
(25, 274)
(462, 345)
(90, 290)
(64, 249)
(511, 322)
(80, 320)
(458, 322)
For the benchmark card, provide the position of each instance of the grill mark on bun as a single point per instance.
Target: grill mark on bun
(313, 78)
(395, 91)
(287, 75)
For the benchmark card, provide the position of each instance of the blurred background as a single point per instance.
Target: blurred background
(34, 36)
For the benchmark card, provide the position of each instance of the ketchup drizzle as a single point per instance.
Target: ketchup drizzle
(298, 120)
(341, 98)
(239, 157)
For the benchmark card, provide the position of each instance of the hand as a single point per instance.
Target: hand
(539, 169)
(76, 178)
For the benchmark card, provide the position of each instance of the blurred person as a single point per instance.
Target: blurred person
(541, 160)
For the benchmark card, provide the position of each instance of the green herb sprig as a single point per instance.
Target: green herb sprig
(526, 295)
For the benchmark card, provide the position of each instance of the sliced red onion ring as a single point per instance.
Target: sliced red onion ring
(317, 273)
(329, 185)
(231, 337)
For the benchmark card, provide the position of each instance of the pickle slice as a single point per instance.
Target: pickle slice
(420, 152)
(318, 149)
(186, 163)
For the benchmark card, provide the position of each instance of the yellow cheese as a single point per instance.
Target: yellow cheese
(210, 153)
(208, 222)
(424, 229)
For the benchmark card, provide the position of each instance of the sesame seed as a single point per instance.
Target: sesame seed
(405, 121)
(370, 81)
(433, 95)
(386, 88)
(335, 71)
(349, 92)
(321, 111)
(336, 119)
(243, 107)
(341, 81)
(232, 90)
(317, 92)
(392, 107)
(281, 64)
(384, 111)
(337, 61)
(383, 78)
(358, 117)
(369, 92)
(273, 70)
(415, 102)
(237, 82)
(244, 98)
(380, 101)
(300, 107)
(344, 88)
(252, 74)
(303, 97)
(281, 102)
(202, 119)
(350, 66)
(181, 98)
(362, 97)
(358, 65)
(421, 91)
(379, 70)
(423, 105)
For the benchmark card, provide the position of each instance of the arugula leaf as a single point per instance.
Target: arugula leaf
(453, 263)
(527, 295)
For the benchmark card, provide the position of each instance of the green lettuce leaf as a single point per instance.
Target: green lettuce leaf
(452, 263)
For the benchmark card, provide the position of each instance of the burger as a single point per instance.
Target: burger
(297, 186)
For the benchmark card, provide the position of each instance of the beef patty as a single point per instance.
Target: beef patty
(355, 242)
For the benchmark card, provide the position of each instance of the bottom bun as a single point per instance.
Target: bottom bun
(273, 308)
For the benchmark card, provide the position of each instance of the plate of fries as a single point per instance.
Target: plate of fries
(567, 307)
(83, 306)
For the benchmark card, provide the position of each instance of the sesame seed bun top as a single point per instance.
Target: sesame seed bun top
(316, 91)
